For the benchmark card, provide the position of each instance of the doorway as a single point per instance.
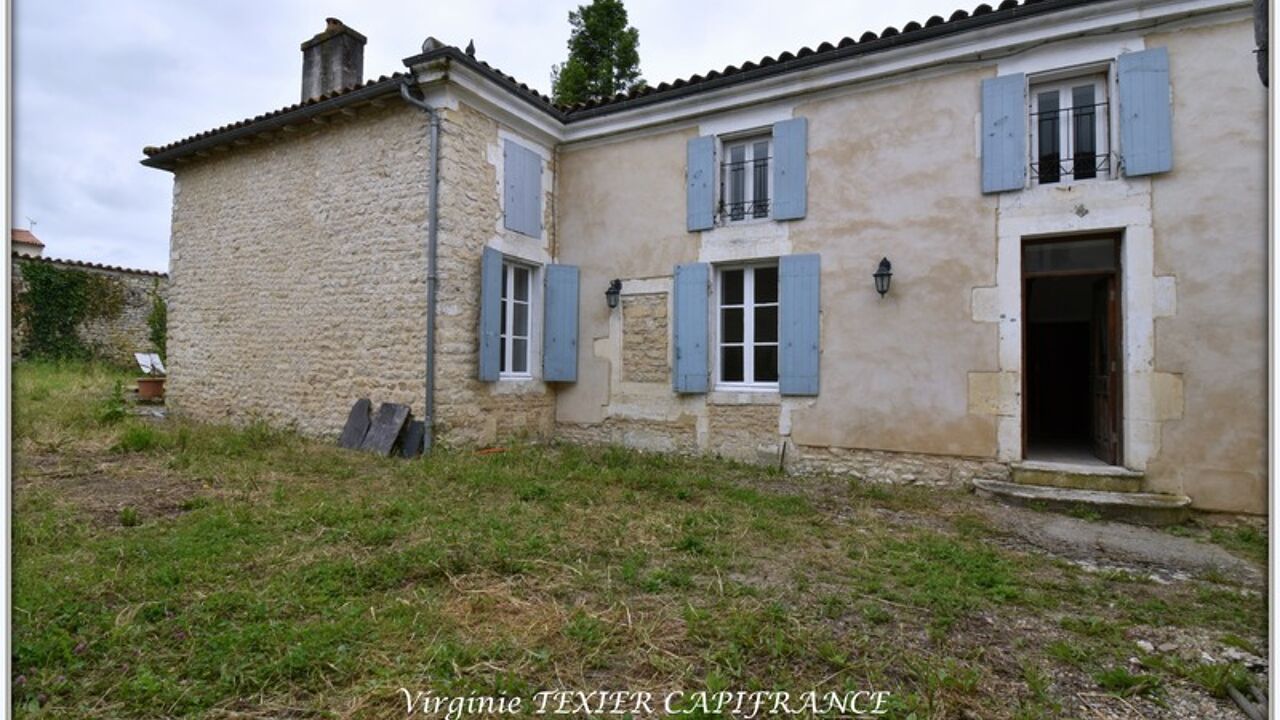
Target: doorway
(1071, 350)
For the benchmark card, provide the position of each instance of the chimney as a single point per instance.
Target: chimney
(332, 60)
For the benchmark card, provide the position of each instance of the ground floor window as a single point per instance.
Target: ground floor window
(517, 301)
(747, 327)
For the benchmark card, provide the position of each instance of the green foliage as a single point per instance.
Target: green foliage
(139, 438)
(604, 57)
(56, 302)
(1217, 678)
(158, 322)
(1244, 540)
(56, 403)
(129, 517)
(113, 408)
(1121, 682)
(211, 563)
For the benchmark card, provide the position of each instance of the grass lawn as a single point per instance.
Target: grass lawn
(168, 569)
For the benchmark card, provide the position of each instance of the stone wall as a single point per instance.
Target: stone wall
(893, 467)
(644, 338)
(471, 412)
(113, 338)
(298, 274)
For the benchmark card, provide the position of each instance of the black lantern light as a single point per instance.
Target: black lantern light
(615, 289)
(882, 276)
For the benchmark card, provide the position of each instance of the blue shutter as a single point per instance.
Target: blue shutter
(692, 284)
(1004, 133)
(790, 157)
(490, 313)
(700, 175)
(560, 325)
(521, 189)
(1146, 128)
(798, 279)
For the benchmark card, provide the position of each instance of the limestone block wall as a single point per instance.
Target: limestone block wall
(644, 338)
(471, 412)
(298, 274)
(114, 338)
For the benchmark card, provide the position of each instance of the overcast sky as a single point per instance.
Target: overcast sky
(95, 81)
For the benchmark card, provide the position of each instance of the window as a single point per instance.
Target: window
(1070, 130)
(747, 329)
(516, 301)
(744, 179)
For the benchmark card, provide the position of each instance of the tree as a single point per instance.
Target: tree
(603, 55)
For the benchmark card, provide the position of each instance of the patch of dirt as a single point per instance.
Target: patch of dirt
(101, 485)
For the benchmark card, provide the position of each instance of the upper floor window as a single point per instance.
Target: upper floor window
(744, 178)
(1070, 124)
(747, 331)
(514, 330)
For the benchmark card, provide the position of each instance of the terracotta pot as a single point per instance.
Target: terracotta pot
(150, 388)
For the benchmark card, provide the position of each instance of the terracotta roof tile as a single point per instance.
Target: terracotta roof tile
(388, 80)
(19, 235)
(868, 42)
(94, 265)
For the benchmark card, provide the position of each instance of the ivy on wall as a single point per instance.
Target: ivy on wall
(56, 301)
(158, 322)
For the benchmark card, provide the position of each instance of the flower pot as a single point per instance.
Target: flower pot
(151, 388)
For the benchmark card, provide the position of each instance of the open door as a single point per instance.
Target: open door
(1071, 365)
(1104, 370)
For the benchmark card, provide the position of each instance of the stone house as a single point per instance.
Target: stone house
(1070, 197)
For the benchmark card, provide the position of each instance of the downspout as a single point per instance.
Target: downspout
(433, 226)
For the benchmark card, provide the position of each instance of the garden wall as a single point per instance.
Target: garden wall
(111, 333)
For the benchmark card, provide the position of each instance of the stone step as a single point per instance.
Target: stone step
(1105, 478)
(1132, 507)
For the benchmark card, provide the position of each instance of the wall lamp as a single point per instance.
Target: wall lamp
(883, 275)
(611, 295)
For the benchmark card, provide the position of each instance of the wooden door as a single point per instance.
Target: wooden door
(1105, 370)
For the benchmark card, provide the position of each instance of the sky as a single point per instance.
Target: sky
(94, 81)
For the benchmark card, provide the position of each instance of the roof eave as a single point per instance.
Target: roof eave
(882, 44)
(452, 54)
(168, 159)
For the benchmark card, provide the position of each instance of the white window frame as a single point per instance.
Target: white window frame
(506, 335)
(748, 343)
(1064, 84)
(748, 141)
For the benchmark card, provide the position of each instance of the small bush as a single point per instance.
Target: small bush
(113, 409)
(158, 322)
(129, 517)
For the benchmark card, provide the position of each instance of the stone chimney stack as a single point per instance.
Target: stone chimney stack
(332, 60)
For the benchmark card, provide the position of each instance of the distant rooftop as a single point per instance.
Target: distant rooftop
(18, 235)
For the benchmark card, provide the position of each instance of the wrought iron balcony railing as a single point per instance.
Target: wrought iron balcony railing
(1070, 144)
(735, 178)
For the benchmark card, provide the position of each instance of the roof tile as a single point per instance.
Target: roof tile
(569, 113)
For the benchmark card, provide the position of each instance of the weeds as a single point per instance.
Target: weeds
(113, 408)
(1120, 681)
(290, 578)
(129, 517)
